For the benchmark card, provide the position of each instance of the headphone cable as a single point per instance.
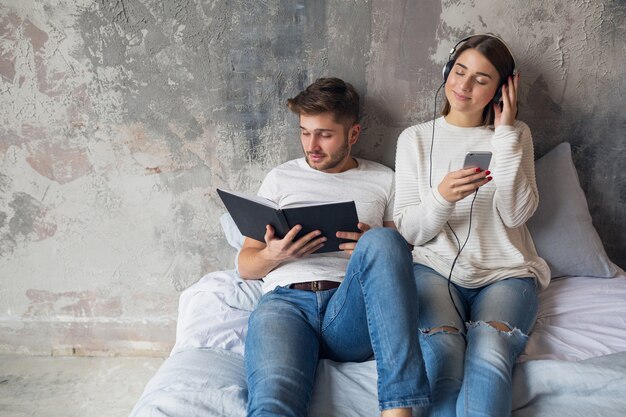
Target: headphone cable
(469, 230)
(432, 138)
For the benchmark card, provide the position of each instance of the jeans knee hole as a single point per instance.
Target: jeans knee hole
(440, 330)
(499, 326)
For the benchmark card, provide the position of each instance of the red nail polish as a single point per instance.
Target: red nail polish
(477, 169)
(489, 178)
(487, 172)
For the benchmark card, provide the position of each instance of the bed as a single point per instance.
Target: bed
(574, 363)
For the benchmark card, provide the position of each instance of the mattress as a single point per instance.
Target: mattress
(574, 364)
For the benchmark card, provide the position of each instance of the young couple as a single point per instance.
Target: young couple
(445, 329)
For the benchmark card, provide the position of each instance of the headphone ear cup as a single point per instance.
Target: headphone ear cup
(446, 70)
(498, 96)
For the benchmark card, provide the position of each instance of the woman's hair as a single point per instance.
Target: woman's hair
(496, 52)
(328, 95)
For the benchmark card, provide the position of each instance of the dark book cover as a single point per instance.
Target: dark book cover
(252, 213)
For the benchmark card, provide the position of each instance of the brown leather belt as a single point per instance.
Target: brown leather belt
(315, 285)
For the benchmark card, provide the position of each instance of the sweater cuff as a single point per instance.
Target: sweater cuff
(440, 200)
(505, 134)
(502, 129)
(506, 139)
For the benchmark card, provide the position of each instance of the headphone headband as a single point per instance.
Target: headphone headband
(491, 35)
(453, 50)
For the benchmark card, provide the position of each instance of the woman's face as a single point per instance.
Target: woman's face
(471, 85)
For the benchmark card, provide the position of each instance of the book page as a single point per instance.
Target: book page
(313, 204)
(255, 198)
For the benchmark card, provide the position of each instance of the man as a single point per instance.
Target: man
(347, 305)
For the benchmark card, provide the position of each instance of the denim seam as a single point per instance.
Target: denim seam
(412, 402)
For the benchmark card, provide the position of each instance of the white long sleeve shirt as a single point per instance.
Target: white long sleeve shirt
(499, 244)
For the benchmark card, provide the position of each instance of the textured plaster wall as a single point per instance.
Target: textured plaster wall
(118, 119)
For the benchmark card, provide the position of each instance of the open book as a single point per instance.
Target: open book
(252, 213)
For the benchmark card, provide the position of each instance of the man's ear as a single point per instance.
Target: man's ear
(354, 133)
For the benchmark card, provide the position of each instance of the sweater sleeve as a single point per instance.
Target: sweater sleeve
(391, 199)
(419, 211)
(516, 195)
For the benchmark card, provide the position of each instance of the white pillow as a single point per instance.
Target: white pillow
(561, 227)
(233, 236)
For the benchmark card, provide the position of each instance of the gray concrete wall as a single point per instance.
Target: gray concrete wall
(120, 118)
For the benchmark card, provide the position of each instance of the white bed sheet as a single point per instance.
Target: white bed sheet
(211, 383)
(579, 317)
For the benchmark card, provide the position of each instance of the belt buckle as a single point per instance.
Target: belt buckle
(314, 286)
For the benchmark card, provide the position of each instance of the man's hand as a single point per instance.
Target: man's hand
(257, 259)
(355, 236)
(281, 250)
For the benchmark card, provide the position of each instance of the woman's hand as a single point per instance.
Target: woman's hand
(457, 185)
(505, 115)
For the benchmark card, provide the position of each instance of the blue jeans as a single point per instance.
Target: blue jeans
(470, 363)
(373, 312)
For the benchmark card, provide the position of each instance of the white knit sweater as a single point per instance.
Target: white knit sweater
(499, 245)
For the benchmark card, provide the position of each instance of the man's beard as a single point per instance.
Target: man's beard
(334, 161)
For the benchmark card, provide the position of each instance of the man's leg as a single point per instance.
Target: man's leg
(375, 311)
(282, 347)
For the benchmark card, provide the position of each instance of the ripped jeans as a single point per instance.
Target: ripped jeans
(469, 362)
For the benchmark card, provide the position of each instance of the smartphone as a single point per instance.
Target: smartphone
(477, 159)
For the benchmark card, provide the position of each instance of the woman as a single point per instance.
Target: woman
(475, 264)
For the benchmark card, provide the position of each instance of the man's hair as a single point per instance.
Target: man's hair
(328, 95)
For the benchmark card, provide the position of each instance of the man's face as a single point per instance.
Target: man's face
(326, 143)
